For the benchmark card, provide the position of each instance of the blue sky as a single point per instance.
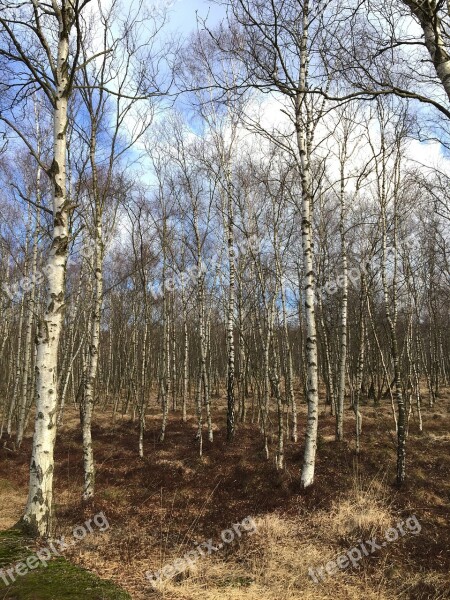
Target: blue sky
(183, 14)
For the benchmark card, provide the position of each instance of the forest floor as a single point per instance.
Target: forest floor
(158, 508)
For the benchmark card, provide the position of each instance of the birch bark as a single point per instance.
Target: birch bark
(38, 510)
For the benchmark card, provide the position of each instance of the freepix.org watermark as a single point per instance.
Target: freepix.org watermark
(24, 285)
(44, 555)
(366, 548)
(193, 273)
(203, 549)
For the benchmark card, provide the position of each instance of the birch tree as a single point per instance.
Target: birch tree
(43, 53)
(118, 57)
(275, 43)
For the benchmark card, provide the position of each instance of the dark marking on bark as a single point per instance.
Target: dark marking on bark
(58, 191)
(54, 169)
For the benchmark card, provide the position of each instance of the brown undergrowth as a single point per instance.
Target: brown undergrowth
(159, 507)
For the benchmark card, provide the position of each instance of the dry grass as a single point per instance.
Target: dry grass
(12, 500)
(364, 511)
(273, 564)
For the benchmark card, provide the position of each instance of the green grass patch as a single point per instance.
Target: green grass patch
(236, 581)
(59, 580)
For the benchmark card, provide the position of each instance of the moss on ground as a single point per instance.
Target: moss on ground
(59, 580)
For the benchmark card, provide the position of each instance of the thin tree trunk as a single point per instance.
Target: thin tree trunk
(38, 510)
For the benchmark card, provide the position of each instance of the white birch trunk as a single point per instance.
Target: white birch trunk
(312, 391)
(428, 16)
(231, 417)
(343, 323)
(39, 504)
